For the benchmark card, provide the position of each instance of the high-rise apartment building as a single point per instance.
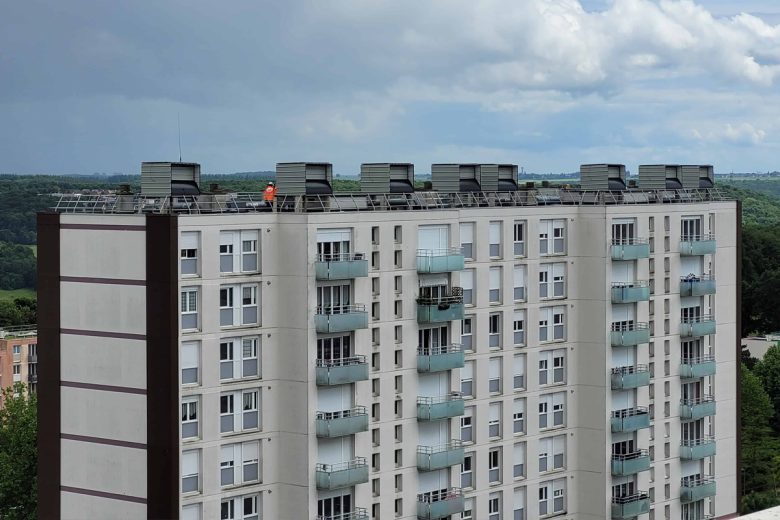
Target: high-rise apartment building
(18, 357)
(478, 351)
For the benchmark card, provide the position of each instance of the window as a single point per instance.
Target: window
(238, 251)
(191, 512)
(188, 248)
(17, 369)
(495, 285)
(190, 359)
(494, 330)
(189, 418)
(467, 282)
(552, 283)
(189, 308)
(551, 410)
(518, 453)
(466, 333)
(494, 237)
(518, 416)
(519, 274)
(17, 350)
(552, 453)
(239, 463)
(467, 379)
(494, 420)
(518, 327)
(519, 507)
(691, 228)
(552, 323)
(467, 425)
(494, 465)
(239, 411)
(468, 510)
(519, 238)
(238, 358)
(494, 506)
(552, 237)
(518, 372)
(552, 499)
(190, 471)
(467, 239)
(233, 311)
(240, 508)
(624, 231)
(552, 366)
(467, 471)
(494, 375)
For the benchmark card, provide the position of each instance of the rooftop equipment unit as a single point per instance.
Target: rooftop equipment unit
(303, 178)
(453, 178)
(387, 178)
(164, 179)
(698, 176)
(507, 177)
(603, 177)
(661, 177)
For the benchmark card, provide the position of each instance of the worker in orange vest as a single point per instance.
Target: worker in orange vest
(269, 194)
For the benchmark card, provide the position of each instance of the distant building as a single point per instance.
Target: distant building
(19, 357)
(758, 345)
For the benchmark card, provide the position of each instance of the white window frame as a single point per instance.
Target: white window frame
(188, 306)
(190, 360)
(467, 424)
(494, 329)
(468, 283)
(495, 367)
(238, 411)
(552, 320)
(494, 464)
(189, 249)
(233, 354)
(234, 301)
(468, 238)
(236, 508)
(494, 238)
(190, 414)
(519, 453)
(519, 275)
(552, 237)
(552, 281)
(494, 506)
(552, 411)
(494, 420)
(552, 453)
(518, 327)
(239, 246)
(518, 416)
(467, 376)
(519, 372)
(467, 333)
(238, 458)
(467, 471)
(519, 231)
(494, 277)
(190, 467)
(552, 367)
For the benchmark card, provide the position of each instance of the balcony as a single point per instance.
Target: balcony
(32, 378)
(697, 408)
(630, 292)
(439, 358)
(626, 378)
(630, 506)
(630, 248)
(440, 504)
(698, 245)
(344, 422)
(630, 463)
(696, 449)
(340, 318)
(696, 326)
(341, 266)
(32, 358)
(694, 368)
(627, 334)
(359, 513)
(630, 419)
(331, 372)
(696, 488)
(344, 474)
(440, 407)
(430, 458)
(697, 285)
(439, 260)
(436, 309)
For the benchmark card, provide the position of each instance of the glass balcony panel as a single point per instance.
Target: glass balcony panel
(630, 292)
(358, 513)
(345, 474)
(441, 407)
(440, 504)
(630, 249)
(436, 309)
(694, 368)
(630, 506)
(631, 334)
(698, 408)
(431, 458)
(626, 378)
(697, 326)
(341, 423)
(440, 358)
(630, 464)
(341, 266)
(439, 260)
(693, 285)
(697, 449)
(698, 245)
(341, 371)
(693, 489)
(630, 419)
(342, 318)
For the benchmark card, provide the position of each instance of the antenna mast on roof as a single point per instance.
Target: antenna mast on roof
(178, 121)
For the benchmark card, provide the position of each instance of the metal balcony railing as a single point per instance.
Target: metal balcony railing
(342, 362)
(340, 257)
(438, 350)
(455, 296)
(328, 310)
(358, 513)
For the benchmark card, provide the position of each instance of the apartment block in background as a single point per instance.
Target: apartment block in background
(19, 357)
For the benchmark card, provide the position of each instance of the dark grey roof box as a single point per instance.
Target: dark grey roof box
(603, 177)
(387, 177)
(162, 179)
(451, 178)
(304, 178)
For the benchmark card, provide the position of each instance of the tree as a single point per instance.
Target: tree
(758, 442)
(768, 371)
(18, 454)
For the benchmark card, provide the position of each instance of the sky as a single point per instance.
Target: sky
(100, 86)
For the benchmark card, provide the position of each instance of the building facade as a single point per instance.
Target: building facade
(514, 355)
(19, 357)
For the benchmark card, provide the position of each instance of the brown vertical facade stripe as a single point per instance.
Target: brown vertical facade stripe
(737, 420)
(162, 367)
(49, 366)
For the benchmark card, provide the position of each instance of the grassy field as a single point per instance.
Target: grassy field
(17, 293)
